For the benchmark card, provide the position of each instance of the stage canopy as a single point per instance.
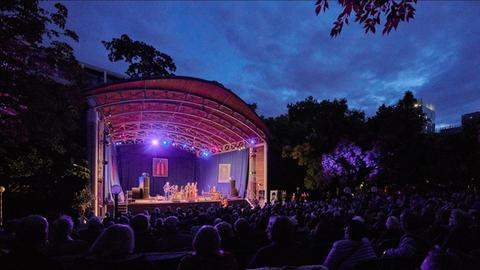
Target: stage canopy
(190, 114)
(193, 114)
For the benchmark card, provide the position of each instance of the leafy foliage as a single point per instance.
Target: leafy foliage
(144, 59)
(316, 128)
(42, 138)
(349, 164)
(370, 13)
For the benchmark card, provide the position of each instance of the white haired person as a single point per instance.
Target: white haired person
(29, 247)
(114, 249)
(207, 253)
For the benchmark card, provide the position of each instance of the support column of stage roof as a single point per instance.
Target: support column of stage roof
(252, 171)
(92, 154)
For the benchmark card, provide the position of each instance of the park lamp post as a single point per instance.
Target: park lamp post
(2, 189)
(116, 189)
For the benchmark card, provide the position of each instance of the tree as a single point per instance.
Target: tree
(316, 128)
(143, 59)
(398, 130)
(370, 13)
(42, 143)
(348, 164)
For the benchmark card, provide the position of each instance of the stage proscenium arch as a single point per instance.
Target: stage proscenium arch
(192, 114)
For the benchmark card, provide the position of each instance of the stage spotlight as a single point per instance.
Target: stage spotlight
(165, 142)
(252, 141)
(205, 154)
(154, 142)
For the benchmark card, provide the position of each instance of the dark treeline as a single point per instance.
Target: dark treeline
(392, 147)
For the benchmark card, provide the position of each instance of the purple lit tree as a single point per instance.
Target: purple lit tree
(348, 164)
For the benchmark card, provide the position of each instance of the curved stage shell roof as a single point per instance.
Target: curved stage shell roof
(194, 114)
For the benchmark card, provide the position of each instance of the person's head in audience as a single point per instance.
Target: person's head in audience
(94, 223)
(280, 229)
(242, 228)
(440, 260)
(124, 220)
(171, 224)
(459, 219)
(32, 232)
(62, 228)
(392, 224)
(224, 230)
(140, 223)
(207, 241)
(355, 230)
(115, 242)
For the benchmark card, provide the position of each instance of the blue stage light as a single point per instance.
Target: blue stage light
(165, 142)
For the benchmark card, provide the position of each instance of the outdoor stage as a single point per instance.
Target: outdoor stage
(141, 205)
(177, 131)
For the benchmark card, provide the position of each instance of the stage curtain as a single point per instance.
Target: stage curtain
(207, 171)
(111, 173)
(136, 159)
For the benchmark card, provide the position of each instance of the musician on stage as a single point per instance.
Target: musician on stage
(166, 190)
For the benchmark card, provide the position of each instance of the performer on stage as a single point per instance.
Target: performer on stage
(166, 190)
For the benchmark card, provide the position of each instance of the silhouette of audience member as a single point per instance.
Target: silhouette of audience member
(356, 248)
(173, 239)
(30, 246)
(459, 237)
(390, 237)
(61, 241)
(144, 240)
(439, 260)
(207, 253)
(412, 247)
(93, 230)
(114, 249)
(282, 250)
(228, 240)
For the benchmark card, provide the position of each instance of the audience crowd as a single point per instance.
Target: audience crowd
(402, 230)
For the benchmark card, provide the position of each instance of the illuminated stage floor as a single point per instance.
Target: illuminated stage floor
(141, 205)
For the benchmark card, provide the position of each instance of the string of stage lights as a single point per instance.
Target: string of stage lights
(204, 153)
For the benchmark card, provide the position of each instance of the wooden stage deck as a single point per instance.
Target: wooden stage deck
(140, 205)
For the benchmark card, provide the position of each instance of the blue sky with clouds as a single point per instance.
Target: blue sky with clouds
(274, 53)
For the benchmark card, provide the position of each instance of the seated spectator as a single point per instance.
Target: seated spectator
(356, 248)
(208, 255)
(439, 260)
(144, 241)
(412, 246)
(228, 240)
(459, 237)
(173, 239)
(113, 249)
(390, 237)
(29, 248)
(282, 251)
(93, 230)
(61, 242)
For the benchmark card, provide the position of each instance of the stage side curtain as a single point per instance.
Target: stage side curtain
(207, 171)
(136, 159)
(111, 173)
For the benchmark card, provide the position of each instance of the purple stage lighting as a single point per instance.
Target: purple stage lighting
(154, 142)
(252, 141)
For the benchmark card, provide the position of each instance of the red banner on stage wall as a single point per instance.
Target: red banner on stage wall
(160, 167)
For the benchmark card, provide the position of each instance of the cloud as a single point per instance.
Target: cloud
(275, 53)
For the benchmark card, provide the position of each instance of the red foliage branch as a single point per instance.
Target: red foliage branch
(369, 13)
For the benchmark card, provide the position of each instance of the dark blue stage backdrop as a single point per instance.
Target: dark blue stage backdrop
(183, 167)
